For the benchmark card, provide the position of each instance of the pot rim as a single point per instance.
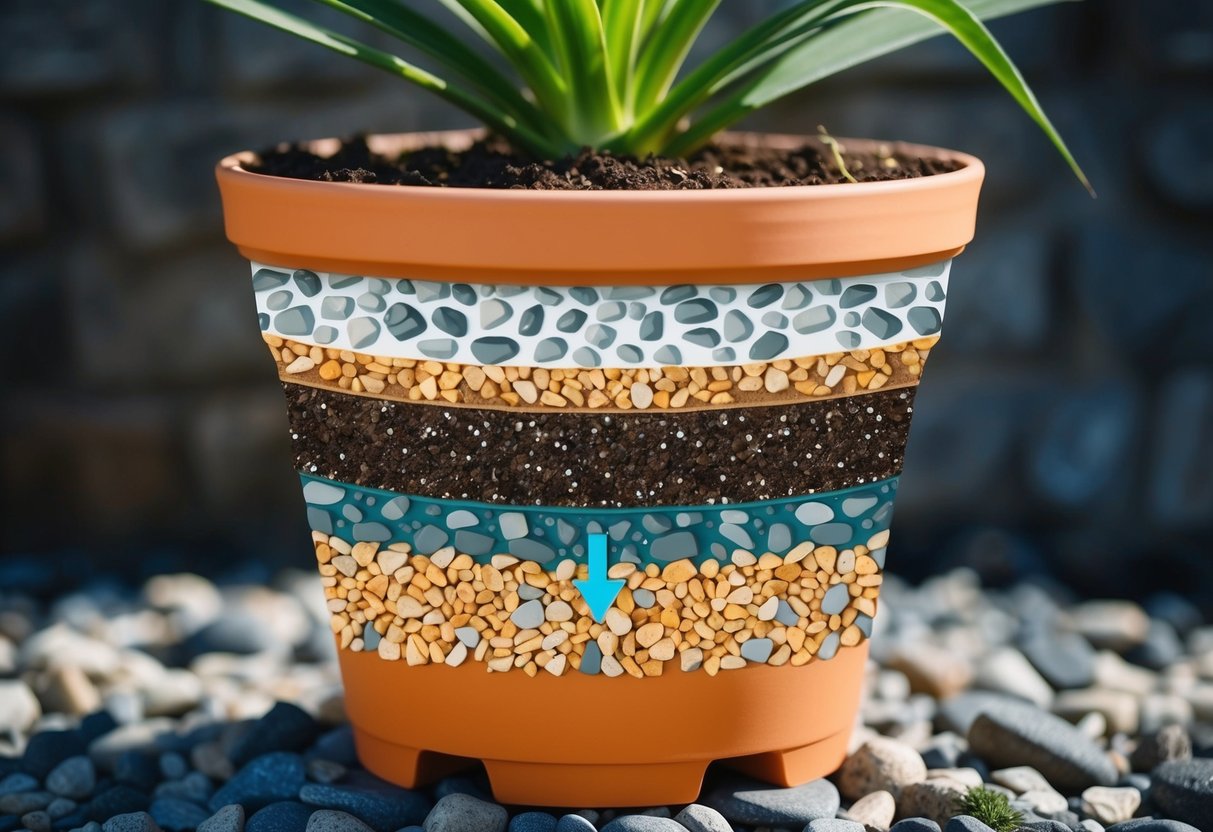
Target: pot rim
(728, 235)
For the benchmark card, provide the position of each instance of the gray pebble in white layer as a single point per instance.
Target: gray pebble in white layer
(363, 332)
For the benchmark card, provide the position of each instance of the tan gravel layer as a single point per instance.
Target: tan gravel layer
(774, 382)
(421, 606)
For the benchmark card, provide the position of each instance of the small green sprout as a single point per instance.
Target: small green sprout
(612, 74)
(991, 808)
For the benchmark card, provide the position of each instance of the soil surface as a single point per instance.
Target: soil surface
(600, 459)
(493, 164)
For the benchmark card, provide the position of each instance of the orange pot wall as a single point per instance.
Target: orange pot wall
(594, 741)
(551, 734)
(600, 237)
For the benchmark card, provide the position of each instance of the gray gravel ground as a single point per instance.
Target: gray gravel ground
(191, 706)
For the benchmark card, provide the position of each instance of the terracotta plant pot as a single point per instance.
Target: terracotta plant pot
(481, 382)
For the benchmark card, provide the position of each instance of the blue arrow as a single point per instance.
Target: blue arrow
(598, 590)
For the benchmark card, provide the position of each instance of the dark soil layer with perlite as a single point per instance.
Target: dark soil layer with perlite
(600, 459)
(493, 164)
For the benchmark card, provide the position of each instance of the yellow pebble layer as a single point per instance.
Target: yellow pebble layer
(699, 619)
(785, 380)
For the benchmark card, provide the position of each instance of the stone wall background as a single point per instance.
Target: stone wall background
(1065, 428)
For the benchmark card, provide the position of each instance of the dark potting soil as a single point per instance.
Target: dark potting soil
(621, 459)
(493, 164)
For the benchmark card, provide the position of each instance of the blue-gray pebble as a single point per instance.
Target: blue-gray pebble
(966, 823)
(283, 816)
(267, 779)
(116, 800)
(175, 814)
(75, 777)
(1183, 789)
(331, 820)
(915, 825)
(381, 805)
(1152, 825)
(173, 766)
(135, 768)
(39, 821)
(643, 823)
(533, 822)
(228, 819)
(47, 749)
(337, 745)
(16, 782)
(18, 803)
(464, 813)
(833, 825)
(195, 787)
(699, 818)
(131, 822)
(1038, 824)
(1017, 734)
(460, 784)
(759, 804)
(285, 727)
(574, 823)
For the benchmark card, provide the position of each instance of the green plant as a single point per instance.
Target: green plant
(991, 808)
(609, 74)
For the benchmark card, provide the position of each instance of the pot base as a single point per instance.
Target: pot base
(591, 741)
(586, 785)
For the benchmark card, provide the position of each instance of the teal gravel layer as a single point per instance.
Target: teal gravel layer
(658, 534)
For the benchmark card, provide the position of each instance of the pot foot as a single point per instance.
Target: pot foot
(624, 784)
(796, 765)
(405, 766)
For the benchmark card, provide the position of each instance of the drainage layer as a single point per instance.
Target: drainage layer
(447, 608)
(652, 534)
(600, 459)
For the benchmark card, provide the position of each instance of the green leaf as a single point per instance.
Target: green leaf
(861, 34)
(523, 52)
(666, 48)
(529, 14)
(621, 21)
(418, 31)
(460, 97)
(761, 44)
(654, 12)
(579, 40)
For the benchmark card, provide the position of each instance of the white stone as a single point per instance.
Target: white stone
(1111, 805)
(19, 708)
